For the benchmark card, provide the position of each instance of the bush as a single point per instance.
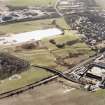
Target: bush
(52, 41)
(62, 45)
(30, 45)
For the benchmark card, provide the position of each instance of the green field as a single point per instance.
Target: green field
(45, 56)
(31, 76)
(41, 57)
(32, 26)
(31, 2)
(26, 26)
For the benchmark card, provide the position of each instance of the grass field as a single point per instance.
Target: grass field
(26, 26)
(40, 57)
(46, 56)
(26, 77)
(31, 2)
(32, 26)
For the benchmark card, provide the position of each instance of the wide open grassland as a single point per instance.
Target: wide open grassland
(46, 56)
(32, 26)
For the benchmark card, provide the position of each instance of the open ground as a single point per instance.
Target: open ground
(47, 55)
(56, 93)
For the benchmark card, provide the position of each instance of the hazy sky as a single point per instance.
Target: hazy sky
(101, 2)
